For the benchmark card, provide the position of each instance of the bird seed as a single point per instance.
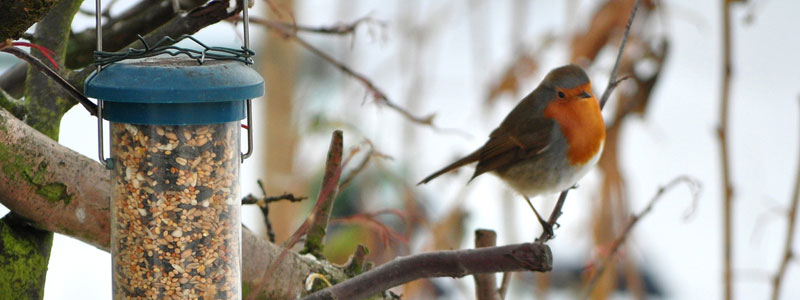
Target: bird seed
(175, 211)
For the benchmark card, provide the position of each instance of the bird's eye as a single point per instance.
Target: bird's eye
(561, 94)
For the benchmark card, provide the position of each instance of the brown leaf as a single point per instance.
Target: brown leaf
(523, 68)
(607, 22)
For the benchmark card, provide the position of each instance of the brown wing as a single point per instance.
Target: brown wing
(504, 148)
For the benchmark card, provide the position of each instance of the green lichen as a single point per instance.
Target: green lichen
(25, 252)
(17, 168)
(247, 289)
(3, 122)
(55, 191)
(45, 120)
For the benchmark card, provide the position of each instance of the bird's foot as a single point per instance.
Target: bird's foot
(546, 227)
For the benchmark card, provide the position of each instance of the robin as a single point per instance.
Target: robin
(547, 142)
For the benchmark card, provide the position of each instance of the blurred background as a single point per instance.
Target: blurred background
(453, 70)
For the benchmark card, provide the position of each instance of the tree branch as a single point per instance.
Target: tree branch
(17, 16)
(122, 30)
(289, 33)
(694, 186)
(13, 79)
(612, 83)
(188, 23)
(39, 65)
(722, 134)
(15, 106)
(485, 282)
(453, 263)
(327, 195)
(336, 29)
(38, 182)
(791, 219)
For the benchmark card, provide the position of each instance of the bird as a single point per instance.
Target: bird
(549, 141)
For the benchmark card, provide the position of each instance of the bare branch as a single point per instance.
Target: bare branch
(722, 134)
(330, 188)
(39, 65)
(612, 79)
(188, 23)
(485, 282)
(263, 205)
(694, 187)
(336, 29)
(250, 199)
(791, 219)
(376, 92)
(504, 284)
(121, 30)
(454, 263)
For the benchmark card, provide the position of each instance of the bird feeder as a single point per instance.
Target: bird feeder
(175, 157)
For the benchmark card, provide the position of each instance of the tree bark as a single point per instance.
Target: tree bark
(17, 16)
(38, 181)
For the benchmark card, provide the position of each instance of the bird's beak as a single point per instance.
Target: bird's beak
(584, 95)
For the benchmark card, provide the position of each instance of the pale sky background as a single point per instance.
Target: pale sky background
(675, 137)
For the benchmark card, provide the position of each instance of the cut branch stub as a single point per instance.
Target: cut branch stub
(330, 187)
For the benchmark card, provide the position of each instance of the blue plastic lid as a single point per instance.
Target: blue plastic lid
(174, 91)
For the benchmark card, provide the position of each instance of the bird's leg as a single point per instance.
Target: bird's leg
(545, 225)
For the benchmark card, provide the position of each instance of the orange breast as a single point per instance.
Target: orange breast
(582, 125)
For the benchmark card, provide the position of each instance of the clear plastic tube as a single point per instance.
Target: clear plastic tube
(176, 224)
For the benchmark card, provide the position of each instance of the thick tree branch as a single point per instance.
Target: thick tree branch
(118, 32)
(122, 30)
(453, 263)
(17, 16)
(45, 100)
(11, 104)
(13, 80)
(187, 23)
(38, 182)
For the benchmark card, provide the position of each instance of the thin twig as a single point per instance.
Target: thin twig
(722, 133)
(612, 80)
(485, 282)
(39, 65)
(263, 205)
(694, 186)
(376, 92)
(452, 263)
(791, 219)
(612, 83)
(336, 29)
(363, 164)
(370, 220)
(504, 284)
(250, 199)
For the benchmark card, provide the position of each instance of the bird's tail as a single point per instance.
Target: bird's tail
(461, 162)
